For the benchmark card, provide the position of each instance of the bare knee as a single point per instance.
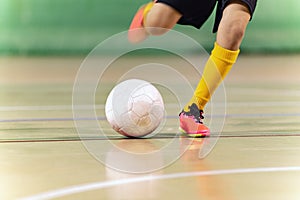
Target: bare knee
(154, 26)
(160, 19)
(233, 26)
(236, 30)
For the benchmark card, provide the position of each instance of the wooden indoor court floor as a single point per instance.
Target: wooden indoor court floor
(256, 157)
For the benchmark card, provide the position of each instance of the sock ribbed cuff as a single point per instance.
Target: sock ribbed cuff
(226, 55)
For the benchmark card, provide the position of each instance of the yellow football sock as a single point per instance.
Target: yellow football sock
(218, 65)
(146, 10)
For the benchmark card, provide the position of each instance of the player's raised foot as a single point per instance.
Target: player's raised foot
(191, 122)
(137, 32)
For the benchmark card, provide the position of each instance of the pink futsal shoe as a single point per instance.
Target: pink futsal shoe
(191, 122)
(136, 32)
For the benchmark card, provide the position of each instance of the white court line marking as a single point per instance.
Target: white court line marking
(101, 106)
(100, 185)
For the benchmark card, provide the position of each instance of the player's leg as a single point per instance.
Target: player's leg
(229, 36)
(233, 25)
(152, 19)
(161, 16)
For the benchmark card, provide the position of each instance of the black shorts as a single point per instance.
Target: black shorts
(196, 12)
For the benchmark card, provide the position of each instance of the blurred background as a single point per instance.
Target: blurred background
(75, 27)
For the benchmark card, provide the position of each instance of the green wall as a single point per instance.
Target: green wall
(76, 26)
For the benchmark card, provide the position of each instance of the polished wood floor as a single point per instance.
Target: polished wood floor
(256, 155)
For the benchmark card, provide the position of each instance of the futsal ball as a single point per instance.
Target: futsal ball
(134, 108)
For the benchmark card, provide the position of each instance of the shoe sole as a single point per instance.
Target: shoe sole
(193, 135)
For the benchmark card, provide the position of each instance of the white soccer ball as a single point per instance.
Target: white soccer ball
(134, 108)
